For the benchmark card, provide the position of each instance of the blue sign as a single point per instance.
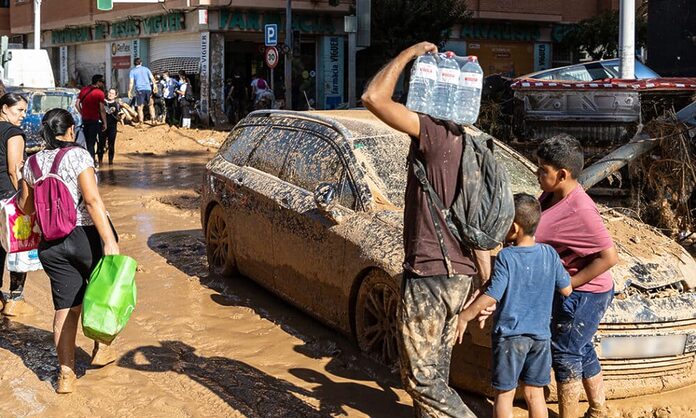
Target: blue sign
(271, 31)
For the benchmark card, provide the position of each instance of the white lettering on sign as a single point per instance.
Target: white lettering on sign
(428, 71)
(474, 80)
(63, 51)
(449, 76)
(204, 66)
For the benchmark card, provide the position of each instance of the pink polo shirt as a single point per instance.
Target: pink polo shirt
(574, 228)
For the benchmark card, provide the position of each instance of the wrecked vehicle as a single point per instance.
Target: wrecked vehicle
(310, 206)
(40, 101)
(586, 100)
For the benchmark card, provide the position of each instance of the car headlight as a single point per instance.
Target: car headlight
(626, 347)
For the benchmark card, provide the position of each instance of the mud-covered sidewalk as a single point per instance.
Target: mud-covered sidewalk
(199, 345)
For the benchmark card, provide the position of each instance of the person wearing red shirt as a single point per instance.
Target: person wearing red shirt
(90, 104)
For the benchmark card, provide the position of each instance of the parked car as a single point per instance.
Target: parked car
(310, 206)
(592, 71)
(39, 102)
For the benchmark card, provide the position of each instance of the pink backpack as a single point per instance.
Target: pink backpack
(56, 211)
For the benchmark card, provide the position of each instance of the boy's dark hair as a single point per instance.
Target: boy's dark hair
(527, 212)
(563, 151)
(97, 78)
(137, 61)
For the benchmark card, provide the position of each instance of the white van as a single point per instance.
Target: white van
(28, 68)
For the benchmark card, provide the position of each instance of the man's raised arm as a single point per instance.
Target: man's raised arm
(378, 95)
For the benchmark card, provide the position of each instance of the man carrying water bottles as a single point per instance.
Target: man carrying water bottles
(430, 299)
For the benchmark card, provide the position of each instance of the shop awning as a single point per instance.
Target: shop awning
(173, 65)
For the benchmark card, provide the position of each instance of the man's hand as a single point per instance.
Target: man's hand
(421, 49)
(461, 328)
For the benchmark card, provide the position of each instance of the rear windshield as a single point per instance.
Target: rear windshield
(42, 103)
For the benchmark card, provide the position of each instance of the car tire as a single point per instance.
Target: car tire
(376, 327)
(218, 244)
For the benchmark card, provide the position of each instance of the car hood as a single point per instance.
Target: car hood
(648, 260)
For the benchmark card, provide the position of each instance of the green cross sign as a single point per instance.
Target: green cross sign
(105, 5)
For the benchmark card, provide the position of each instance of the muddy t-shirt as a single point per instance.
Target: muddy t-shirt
(441, 151)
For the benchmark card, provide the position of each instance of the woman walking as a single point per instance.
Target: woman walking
(69, 261)
(13, 109)
(107, 138)
(185, 101)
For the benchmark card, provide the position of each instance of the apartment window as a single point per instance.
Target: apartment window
(4, 3)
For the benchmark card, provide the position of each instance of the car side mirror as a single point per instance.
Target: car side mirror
(325, 199)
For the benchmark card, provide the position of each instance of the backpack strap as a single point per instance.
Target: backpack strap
(434, 204)
(58, 158)
(34, 166)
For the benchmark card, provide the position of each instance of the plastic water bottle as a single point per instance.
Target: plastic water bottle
(422, 84)
(468, 97)
(446, 87)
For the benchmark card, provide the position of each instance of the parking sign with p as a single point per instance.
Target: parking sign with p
(271, 38)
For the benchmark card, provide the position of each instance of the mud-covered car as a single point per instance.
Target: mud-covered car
(40, 101)
(310, 205)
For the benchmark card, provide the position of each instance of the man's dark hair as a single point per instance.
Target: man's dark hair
(137, 61)
(165, 72)
(563, 152)
(527, 212)
(97, 78)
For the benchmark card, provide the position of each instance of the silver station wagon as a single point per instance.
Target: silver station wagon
(310, 206)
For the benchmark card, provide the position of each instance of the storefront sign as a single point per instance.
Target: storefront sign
(204, 74)
(255, 22)
(131, 28)
(500, 31)
(63, 62)
(172, 22)
(135, 49)
(121, 55)
(71, 36)
(332, 58)
(542, 56)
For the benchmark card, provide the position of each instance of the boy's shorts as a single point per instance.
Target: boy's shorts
(521, 358)
(142, 97)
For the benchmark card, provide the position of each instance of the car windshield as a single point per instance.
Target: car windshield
(42, 103)
(383, 159)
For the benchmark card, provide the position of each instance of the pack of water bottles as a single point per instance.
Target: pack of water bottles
(446, 87)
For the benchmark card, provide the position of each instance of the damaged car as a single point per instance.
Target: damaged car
(310, 206)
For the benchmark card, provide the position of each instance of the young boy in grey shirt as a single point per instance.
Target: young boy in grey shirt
(525, 277)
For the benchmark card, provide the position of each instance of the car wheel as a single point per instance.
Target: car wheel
(219, 244)
(375, 318)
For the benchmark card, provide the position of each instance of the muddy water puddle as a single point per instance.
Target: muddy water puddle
(201, 345)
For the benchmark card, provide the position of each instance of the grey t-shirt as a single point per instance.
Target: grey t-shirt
(524, 281)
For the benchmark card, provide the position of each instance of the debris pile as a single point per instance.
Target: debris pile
(664, 180)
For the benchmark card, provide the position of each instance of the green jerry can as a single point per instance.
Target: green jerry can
(110, 298)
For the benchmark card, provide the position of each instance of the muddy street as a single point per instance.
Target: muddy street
(201, 345)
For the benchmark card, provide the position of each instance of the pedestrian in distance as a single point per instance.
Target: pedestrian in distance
(69, 261)
(141, 86)
(431, 299)
(526, 275)
(572, 225)
(186, 101)
(90, 104)
(107, 139)
(13, 109)
(169, 86)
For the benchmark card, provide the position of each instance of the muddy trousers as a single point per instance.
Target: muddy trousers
(427, 325)
(16, 279)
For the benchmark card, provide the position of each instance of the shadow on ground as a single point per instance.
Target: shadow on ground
(35, 347)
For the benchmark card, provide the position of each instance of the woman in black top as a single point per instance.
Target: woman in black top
(13, 108)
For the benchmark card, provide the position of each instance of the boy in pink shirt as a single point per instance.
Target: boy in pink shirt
(571, 224)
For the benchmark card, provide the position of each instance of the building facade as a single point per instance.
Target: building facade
(211, 43)
(516, 37)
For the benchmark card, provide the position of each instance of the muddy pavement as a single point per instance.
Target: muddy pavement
(200, 345)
